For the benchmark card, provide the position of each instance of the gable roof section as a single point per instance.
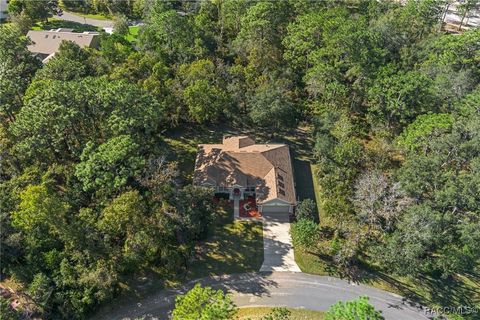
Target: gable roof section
(47, 42)
(239, 161)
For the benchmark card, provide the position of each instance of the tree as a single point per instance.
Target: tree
(110, 165)
(204, 102)
(278, 313)
(353, 310)
(203, 303)
(396, 99)
(306, 209)
(38, 207)
(169, 34)
(465, 7)
(426, 126)
(202, 92)
(71, 62)
(22, 21)
(120, 24)
(59, 117)
(272, 106)
(17, 68)
(378, 201)
(258, 40)
(123, 215)
(196, 211)
(37, 10)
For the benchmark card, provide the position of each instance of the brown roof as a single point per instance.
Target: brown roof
(47, 42)
(239, 161)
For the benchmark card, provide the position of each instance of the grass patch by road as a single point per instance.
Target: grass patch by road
(96, 16)
(232, 247)
(56, 23)
(256, 313)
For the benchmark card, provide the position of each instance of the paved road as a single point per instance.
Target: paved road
(94, 22)
(277, 244)
(292, 289)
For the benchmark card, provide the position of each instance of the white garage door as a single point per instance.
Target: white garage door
(275, 208)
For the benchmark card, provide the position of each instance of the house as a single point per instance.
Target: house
(239, 168)
(45, 43)
(3, 10)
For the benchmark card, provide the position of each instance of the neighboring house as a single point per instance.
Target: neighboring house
(240, 168)
(45, 43)
(3, 10)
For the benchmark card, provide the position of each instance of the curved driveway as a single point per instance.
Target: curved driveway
(292, 289)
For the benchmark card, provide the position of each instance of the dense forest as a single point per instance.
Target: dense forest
(89, 194)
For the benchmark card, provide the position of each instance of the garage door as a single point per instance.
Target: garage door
(274, 209)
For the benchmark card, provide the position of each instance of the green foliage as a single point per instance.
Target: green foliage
(35, 9)
(69, 63)
(352, 310)
(120, 24)
(16, 70)
(306, 209)
(90, 194)
(59, 118)
(304, 233)
(399, 98)
(272, 106)
(169, 34)
(202, 303)
(278, 313)
(423, 128)
(110, 165)
(204, 102)
(39, 211)
(7, 312)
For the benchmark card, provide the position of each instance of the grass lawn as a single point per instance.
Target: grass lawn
(232, 247)
(132, 33)
(96, 16)
(256, 313)
(56, 23)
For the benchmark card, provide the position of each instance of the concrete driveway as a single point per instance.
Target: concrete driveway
(277, 244)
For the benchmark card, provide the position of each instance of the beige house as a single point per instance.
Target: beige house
(239, 168)
(45, 43)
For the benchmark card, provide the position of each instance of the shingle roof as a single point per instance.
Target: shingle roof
(47, 42)
(238, 160)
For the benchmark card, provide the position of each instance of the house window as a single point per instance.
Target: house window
(222, 189)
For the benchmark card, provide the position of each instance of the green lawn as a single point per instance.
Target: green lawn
(96, 16)
(56, 23)
(256, 313)
(233, 247)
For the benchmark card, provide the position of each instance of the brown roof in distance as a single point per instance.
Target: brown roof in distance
(238, 160)
(47, 42)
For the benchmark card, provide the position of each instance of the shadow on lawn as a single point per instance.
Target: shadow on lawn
(232, 247)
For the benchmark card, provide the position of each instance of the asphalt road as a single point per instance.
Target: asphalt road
(292, 289)
(68, 16)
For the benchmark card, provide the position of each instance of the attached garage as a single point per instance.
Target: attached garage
(276, 206)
